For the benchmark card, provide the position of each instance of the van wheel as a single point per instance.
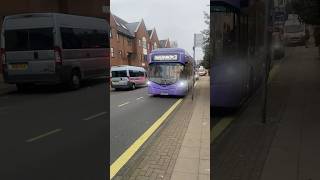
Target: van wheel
(133, 86)
(74, 82)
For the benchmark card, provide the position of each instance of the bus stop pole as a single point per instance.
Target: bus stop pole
(194, 59)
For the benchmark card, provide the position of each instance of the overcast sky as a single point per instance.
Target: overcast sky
(177, 20)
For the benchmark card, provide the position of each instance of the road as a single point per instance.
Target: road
(50, 133)
(131, 114)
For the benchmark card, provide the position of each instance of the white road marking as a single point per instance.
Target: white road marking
(94, 116)
(43, 135)
(120, 105)
(139, 98)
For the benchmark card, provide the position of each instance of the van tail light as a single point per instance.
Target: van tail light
(3, 56)
(57, 55)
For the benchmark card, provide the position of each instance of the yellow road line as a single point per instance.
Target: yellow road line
(220, 127)
(273, 72)
(124, 158)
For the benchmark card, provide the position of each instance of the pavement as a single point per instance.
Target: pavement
(287, 146)
(50, 133)
(179, 148)
(193, 162)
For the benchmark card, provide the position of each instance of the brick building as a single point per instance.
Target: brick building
(154, 42)
(122, 49)
(131, 42)
(165, 43)
(140, 43)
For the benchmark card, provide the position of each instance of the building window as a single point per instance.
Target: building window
(139, 42)
(110, 33)
(155, 45)
(120, 53)
(129, 42)
(117, 36)
(112, 54)
(144, 42)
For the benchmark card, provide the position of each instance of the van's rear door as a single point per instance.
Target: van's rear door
(29, 45)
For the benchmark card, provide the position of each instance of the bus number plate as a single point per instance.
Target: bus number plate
(164, 93)
(19, 66)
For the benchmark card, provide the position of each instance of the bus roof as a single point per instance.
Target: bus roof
(170, 50)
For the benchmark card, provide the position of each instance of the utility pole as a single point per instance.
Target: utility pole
(194, 58)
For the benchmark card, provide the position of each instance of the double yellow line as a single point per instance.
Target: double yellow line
(125, 157)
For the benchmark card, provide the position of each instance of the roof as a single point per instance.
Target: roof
(163, 43)
(126, 67)
(133, 27)
(122, 26)
(171, 50)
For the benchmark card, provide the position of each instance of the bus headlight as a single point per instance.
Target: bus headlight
(182, 83)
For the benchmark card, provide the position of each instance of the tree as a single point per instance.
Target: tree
(308, 10)
(207, 45)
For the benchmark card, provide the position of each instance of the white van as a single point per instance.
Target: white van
(39, 48)
(128, 77)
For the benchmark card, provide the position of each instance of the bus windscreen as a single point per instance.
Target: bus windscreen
(165, 73)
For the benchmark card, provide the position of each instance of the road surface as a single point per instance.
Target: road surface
(50, 133)
(131, 114)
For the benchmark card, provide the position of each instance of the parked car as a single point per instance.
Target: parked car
(202, 71)
(128, 77)
(52, 48)
(294, 33)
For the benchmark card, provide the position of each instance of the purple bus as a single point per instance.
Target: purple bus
(170, 72)
(239, 39)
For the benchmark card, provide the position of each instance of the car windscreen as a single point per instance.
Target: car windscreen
(29, 39)
(122, 73)
(294, 28)
(165, 73)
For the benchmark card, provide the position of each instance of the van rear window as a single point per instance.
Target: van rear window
(119, 73)
(29, 39)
